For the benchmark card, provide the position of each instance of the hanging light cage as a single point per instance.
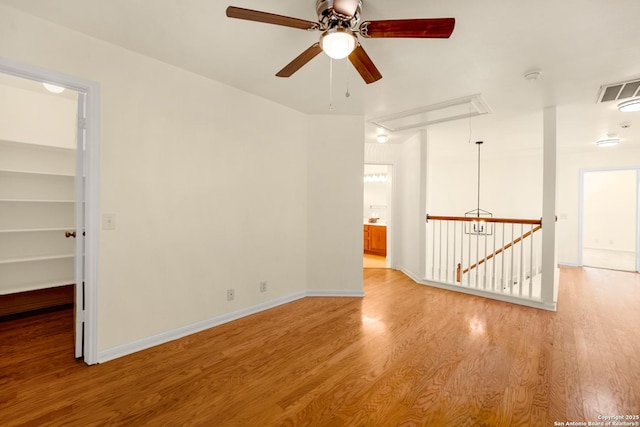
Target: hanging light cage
(479, 227)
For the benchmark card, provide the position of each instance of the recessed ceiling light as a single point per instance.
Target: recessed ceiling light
(608, 142)
(53, 88)
(631, 106)
(382, 138)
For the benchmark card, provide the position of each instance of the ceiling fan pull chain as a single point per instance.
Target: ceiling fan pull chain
(330, 84)
(346, 63)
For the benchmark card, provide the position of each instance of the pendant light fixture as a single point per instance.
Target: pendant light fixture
(478, 226)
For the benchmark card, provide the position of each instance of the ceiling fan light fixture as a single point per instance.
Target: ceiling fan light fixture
(338, 42)
(630, 106)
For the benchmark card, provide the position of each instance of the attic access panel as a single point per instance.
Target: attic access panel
(460, 108)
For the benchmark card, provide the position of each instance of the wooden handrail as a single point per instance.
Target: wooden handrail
(474, 219)
(499, 251)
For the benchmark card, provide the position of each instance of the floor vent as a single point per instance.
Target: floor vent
(617, 91)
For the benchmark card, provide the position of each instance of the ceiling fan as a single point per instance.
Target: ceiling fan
(339, 21)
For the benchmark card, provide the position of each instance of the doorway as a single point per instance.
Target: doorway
(377, 215)
(82, 203)
(609, 219)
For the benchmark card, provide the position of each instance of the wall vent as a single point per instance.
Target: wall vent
(617, 91)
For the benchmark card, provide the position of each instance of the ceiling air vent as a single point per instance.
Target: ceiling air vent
(617, 91)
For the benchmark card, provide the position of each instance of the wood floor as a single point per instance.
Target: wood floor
(404, 355)
(374, 261)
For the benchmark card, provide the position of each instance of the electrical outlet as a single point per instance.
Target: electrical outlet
(231, 294)
(263, 286)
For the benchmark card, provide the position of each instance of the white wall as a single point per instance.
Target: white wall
(609, 212)
(510, 183)
(411, 213)
(37, 118)
(335, 193)
(212, 188)
(382, 153)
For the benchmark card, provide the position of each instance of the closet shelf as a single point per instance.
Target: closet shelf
(36, 201)
(13, 171)
(35, 259)
(37, 146)
(37, 230)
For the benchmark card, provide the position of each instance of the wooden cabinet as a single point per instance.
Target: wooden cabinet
(375, 239)
(367, 239)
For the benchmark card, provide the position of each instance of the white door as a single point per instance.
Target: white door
(609, 219)
(80, 227)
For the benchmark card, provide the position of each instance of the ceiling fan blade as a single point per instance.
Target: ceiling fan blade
(346, 7)
(364, 65)
(301, 60)
(439, 28)
(270, 18)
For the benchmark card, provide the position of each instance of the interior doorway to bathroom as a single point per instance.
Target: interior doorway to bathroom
(377, 216)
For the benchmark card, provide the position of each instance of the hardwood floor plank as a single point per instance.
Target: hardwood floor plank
(405, 355)
(558, 374)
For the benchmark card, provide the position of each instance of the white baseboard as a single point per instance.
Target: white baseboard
(162, 338)
(492, 295)
(481, 293)
(409, 273)
(569, 264)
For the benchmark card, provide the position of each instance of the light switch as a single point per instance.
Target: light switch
(109, 221)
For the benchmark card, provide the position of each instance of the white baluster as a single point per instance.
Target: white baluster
(446, 265)
(521, 259)
(493, 261)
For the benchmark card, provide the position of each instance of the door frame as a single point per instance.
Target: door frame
(581, 207)
(91, 165)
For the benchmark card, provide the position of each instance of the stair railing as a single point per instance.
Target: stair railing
(498, 252)
(504, 253)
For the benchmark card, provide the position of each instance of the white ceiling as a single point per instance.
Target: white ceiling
(578, 44)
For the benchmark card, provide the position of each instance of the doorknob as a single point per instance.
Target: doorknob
(68, 234)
